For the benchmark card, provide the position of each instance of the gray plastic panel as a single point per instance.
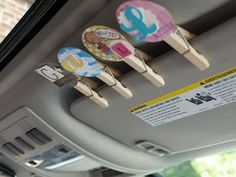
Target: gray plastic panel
(20, 85)
(196, 131)
(21, 121)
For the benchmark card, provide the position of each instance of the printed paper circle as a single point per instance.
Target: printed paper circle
(81, 64)
(145, 20)
(97, 39)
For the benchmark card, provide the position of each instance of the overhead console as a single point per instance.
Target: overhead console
(6, 172)
(27, 139)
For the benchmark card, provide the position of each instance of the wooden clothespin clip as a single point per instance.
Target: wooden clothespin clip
(107, 77)
(150, 22)
(83, 64)
(91, 94)
(127, 52)
(101, 41)
(179, 42)
(56, 76)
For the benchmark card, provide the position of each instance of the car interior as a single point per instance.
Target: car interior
(77, 126)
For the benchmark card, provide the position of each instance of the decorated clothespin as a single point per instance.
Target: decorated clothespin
(147, 21)
(109, 45)
(81, 63)
(56, 75)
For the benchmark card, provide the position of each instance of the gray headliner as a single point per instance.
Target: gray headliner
(21, 86)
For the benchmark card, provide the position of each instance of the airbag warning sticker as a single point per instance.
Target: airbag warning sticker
(204, 95)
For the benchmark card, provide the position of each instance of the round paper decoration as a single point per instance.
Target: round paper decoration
(145, 20)
(79, 62)
(97, 40)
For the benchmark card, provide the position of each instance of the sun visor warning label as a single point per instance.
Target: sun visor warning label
(204, 95)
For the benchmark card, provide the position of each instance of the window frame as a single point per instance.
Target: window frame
(29, 25)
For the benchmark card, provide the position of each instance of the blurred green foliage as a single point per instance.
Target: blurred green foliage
(183, 170)
(222, 165)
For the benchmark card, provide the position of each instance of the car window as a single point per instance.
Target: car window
(11, 11)
(218, 165)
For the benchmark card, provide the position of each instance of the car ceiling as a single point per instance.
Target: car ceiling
(103, 134)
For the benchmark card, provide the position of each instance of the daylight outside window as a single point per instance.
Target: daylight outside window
(219, 165)
(11, 11)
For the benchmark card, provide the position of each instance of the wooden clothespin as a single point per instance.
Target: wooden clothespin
(126, 51)
(107, 77)
(178, 41)
(91, 94)
(150, 22)
(83, 64)
(54, 75)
